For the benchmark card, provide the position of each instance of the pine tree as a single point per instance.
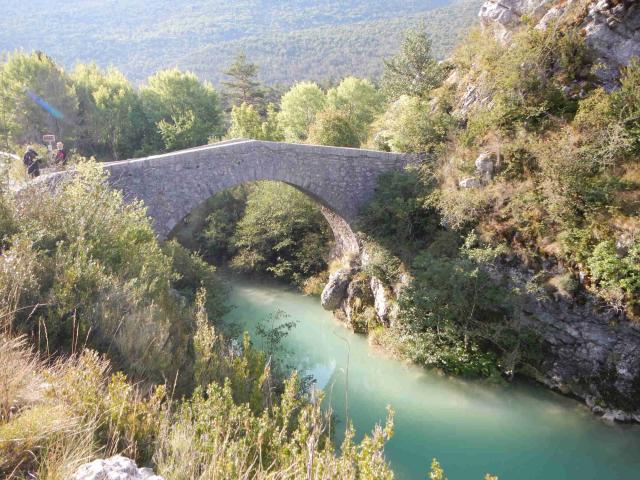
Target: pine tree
(414, 71)
(243, 87)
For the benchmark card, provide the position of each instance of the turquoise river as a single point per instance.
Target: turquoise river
(518, 432)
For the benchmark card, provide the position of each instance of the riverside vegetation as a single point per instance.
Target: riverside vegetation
(561, 189)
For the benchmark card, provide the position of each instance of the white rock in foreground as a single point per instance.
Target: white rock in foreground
(114, 468)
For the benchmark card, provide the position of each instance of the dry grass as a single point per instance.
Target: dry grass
(38, 432)
(20, 383)
(56, 413)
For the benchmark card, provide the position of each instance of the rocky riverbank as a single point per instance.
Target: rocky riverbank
(588, 351)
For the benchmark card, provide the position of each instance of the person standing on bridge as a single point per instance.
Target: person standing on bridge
(30, 161)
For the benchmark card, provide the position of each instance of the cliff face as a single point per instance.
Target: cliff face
(588, 349)
(611, 28)
(591, 351)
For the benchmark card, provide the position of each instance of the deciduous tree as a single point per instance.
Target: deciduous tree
(36, 97)
(298, 110)
(184, 111)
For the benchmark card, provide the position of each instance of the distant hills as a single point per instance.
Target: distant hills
(290, 39)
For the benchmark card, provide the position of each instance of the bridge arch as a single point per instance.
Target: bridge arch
(172, 185)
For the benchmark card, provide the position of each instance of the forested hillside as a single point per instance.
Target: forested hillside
(291, 40)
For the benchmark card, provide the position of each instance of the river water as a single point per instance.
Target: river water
(518, 432)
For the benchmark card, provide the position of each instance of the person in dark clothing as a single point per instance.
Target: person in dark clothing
(29, 156)
(61, 155)
(34, 169)
(30, 160)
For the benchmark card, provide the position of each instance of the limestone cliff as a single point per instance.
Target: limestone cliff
(611, 28)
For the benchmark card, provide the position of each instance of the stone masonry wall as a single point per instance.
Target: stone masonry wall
(171, 185)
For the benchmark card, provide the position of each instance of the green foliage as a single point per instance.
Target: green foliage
(618, 274)
(88, 269)
(335, 128)
(414, 71)
(288, 441)
(184, 111)
(315, 41)
(266, 228)
(359, 100)
(566, 179)
(298, 109)
(411, 125)
(99, 111)
(381, 263)
(626, 102)
(191, 273)
(83, 412)
(397, 214)
(218, 361)
(282, 232)
(525, 79)
(246, 122)
(243, 87)
(227, 208)
(24, 80)
(448, 312)
(111, 118)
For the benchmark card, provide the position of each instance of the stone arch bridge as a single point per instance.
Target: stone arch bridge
(172, 185)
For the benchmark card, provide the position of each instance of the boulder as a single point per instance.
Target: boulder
(114, 468)
(485, 164)
(505, 15)
(380, 300)
(470, 182)
(612, 30)
(336, 289)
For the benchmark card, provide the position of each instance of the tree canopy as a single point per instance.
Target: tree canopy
(414, 71)
(359, 100)
(185, 111)
(243, 86)
(36, 98)
(298, 110)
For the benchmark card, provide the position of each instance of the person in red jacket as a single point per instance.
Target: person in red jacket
(61, 154)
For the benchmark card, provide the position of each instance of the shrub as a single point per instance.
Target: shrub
(626, 101)
(618, 275)
(379, 262)
(335, 128)
(448, 313)
(397, 215)
(89, 271)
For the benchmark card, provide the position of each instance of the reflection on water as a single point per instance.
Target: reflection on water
(519, 432)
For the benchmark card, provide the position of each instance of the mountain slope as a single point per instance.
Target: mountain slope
(290, 39)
